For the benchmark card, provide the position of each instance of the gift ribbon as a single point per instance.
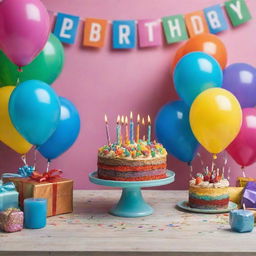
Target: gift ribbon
(9, 186)
(250, 195)
(23, 172)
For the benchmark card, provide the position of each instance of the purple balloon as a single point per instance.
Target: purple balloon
(24, 29)
(240, 79)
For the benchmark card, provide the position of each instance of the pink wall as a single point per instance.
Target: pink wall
(115, 82)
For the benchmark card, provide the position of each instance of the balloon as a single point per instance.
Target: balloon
(195, 73)
(66, 132)
(45, 67)
(8, 134)
(174, 132)
(243, 149)
(210, 44)
(24, 29)
(34, 109)
(178, 55)
(215, 118)
(240, 79)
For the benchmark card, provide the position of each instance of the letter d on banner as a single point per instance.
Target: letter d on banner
(66, 27)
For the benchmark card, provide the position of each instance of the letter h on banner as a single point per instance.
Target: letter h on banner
(66, 27)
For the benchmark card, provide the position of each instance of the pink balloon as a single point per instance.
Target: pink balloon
(24, 29)
(243, 147)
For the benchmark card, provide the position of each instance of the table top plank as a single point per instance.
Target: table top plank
(91, 229)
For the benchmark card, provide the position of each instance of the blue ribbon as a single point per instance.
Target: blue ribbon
(9, 186)
(23, 172)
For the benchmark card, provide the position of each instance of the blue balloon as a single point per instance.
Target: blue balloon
(195, 73)
(173, 131)
(34, 109)
(66, 133)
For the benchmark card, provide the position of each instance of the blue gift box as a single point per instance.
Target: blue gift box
(9, 197)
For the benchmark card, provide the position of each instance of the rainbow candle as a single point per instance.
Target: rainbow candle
(143, 124)
(107, 130)
(121, 136)
(126, 131)
(131, 128)
(149, 129)
(118, 130)
(138, 129)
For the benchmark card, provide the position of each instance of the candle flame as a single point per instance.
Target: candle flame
(122, 120)
(131, 116)
(118, 119)
(138, 118)
(143, 121)
(126, 120)
(106, 119)
(149, 120)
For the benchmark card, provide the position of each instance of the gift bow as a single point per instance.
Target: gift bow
(250, 195)
(9, 186)
(23, 172)
(46, 176)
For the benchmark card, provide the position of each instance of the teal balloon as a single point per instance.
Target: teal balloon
(34, 109)
(173, 131)
(46, 67)
(195, 73)
(66, 132)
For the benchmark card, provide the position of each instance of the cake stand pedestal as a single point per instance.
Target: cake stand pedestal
(132, 203)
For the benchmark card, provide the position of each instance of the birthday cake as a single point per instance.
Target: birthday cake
(209, 191)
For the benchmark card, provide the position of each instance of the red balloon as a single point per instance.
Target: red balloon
(243, 147)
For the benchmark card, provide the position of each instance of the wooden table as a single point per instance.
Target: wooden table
(90, 230)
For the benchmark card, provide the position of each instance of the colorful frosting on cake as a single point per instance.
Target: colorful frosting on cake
(208, 191)
(132, 161)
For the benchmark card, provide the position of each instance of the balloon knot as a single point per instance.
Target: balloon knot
(214, 156)
(189, 163)
(242, 167)
(20, 69)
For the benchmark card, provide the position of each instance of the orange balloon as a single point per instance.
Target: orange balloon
(178, 55)
(209, 44)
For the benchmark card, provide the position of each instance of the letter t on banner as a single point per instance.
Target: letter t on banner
(124, 34)
(238, 12)
(66, 27)
(149, 33)
(94, 32)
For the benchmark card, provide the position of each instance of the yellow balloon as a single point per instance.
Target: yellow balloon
(215, 119)
(8, 134)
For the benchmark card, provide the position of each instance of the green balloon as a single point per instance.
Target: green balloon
(45, 67)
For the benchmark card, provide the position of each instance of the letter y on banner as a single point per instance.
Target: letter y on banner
(66, 27)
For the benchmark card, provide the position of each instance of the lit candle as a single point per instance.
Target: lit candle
(149, 129)
(126, 131)
(138, 128)
(107, 130)
(131, 128)
(118, 130)
(143, 124)
(121, 136)
(35, 212)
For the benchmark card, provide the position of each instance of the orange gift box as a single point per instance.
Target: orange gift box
(58, 192)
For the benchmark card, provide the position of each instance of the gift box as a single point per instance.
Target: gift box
(242, 181)
(11, 220)
(235, 194)
(249, 195)
(57, 190)
(8, 196)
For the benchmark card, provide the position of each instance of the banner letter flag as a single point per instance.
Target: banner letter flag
(196, 23)
(238, 12)
(215, 19)
(66, 27)
(149, 33)
(174, 29)
(124, 34)
(95, 32)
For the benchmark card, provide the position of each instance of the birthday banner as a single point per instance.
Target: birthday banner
(126, 34)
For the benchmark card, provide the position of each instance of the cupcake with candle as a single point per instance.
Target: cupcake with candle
(209, 191)
(129, 159)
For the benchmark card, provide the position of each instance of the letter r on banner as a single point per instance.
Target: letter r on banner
(196, 23)
(66, 27)
(124, 34)
(215, 19)
(94, 32)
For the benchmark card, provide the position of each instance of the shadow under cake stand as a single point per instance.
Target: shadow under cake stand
(132, 203)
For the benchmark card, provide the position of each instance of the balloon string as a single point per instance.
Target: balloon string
(244, 175)
(229, 173)
(191, 171)
(35, 156)
(48, 166)
(24, 160)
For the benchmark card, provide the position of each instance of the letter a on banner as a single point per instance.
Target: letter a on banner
(124, 34)
(174, 29)
(238, 12)
(149, 33)
(94, 32)
(215, 19)
(66, 27)
(196, 23)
